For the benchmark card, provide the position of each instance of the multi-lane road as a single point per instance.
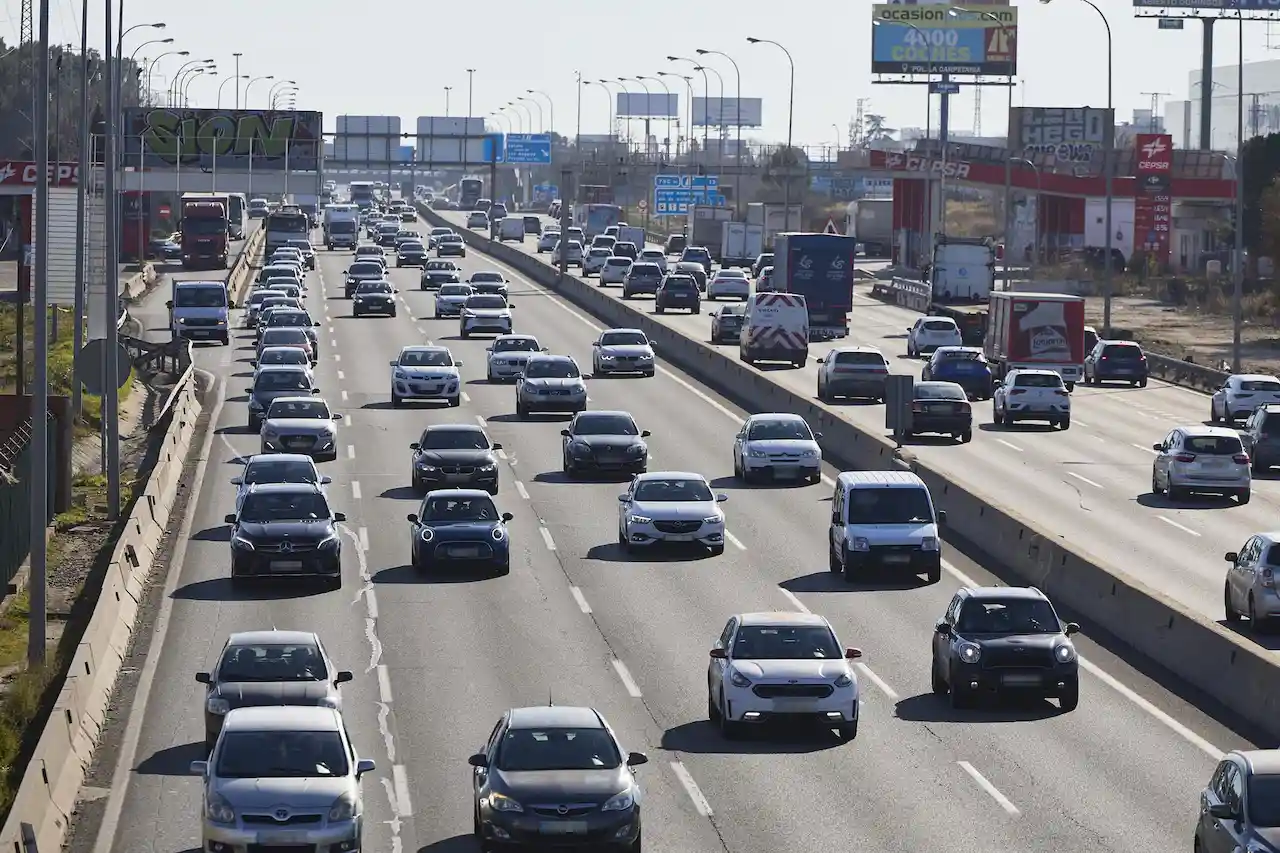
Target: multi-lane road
(438, 659)
(1090, 485)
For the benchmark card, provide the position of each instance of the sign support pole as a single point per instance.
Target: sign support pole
(110, 417)
(37, 628)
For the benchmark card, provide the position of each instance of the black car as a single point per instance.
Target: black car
(374, 297)
(941, 407)
(556, 772)
(532, 224)
(459, 526)
(678, 291)
(289, 380)
(726, 324)
(488, 281)
(451, 244)
(456, 455)
(436, 273)
(675, 244)
(386, 236)
(604, 441)
(1004, 641)
(361, 271)
(1261, 437)
(624, 249)
(273, 667)
(1116, 361)
(286, 530)
(411, 253)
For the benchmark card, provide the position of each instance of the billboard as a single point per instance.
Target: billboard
(159, 138)
(1067, 134)
(727, 112)
(981, 40)
(454, 141)
(368, 141)
(1153, 204)
(647, 105)
(1228, 5)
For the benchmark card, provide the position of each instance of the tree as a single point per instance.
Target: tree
(1269, 220)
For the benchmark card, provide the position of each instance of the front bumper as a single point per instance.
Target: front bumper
(552, 403)
(418, 389)
(608, 832)
(910, 558)
(702, 533)
(624, 462)
(490, 325)
(411, 261)
(201, 333)
(318, 447)
(1047, 681)
(455, 477)
(317, 562)
(624, 365)
(371, 307)
(446, 251)
(745, 705)
(320, 837)
(460, 552)
(784, 469)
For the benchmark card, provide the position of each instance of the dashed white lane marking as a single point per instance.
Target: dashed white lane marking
(546, 538)
(1084, 479)
(795, 602)
(992, 791)
(1150, 450)
(331, 332)
(480, 420)
(691, 788)
(580, 599)
(502, 454)
(423, 331)
(1010, 445)
(521, 490)
(1172, 523)
(336, 357)
(734, 541)
(346, 419)
(629, 683)
(1079, 423)
(384, 683)
(351, 451)
(879, 682)
(344, 399)
(341, 376)
(363, 535)
(355, 490)
(371, 602)
(466, 398)
(400, 777)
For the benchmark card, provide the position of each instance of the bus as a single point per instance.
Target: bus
(363, 194)
(288, 223)
(594, 219)
(470, 190)
(595, 194)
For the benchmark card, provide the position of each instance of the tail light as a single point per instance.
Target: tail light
(1268, 579)
(964, 407)
(1016, 391)
(1241, 458)
(1104, 358)
(1185, 457)
(917, 408)
(1142, 358)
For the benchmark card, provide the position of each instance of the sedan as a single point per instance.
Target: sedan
(622, 351)
(374, 297)
(477, 219)
(411, 253)
(264, 468)
(485, 313)
(604, 441)
(459, 526)
(572, 252)
(731, 283)
(653, 256)
(437, 273)
(286, 337)
(488, 281)
(550, 383)
(308, 252)
(435, 234)
(1240, 395)
(451, 244)
(672, 507)
(547, 241)
(456, 455)
(273, 382)
(726, 324)
(362, 271)
(450, 299)
(777, 447)
(508, 356)
(941, 407)
(286, 530)
(300, 425)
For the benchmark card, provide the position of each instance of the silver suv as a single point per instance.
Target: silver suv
(1250, 588)
(289, 774)
(1201, 460)
(1238, 807)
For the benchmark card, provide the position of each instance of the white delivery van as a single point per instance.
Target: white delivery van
(632, 234)
(884, 520)
(510, 228)
(775, 328)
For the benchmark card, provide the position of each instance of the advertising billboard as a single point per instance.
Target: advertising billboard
(1067, 134)
(1153, 204)
(727, 112)
(1226, 5)
(647, 105)
(164, 137)
(978, 40)
(455, 140)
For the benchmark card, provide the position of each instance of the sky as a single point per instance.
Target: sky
(329, 47)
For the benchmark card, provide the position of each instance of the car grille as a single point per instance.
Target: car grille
(458, 469)
(677, 526)
(1016, 657)
(202, 321)
(282, 848)
(792, 691)
(295, 545)
(785, 457)
(881, 550)
(570, 810)
(269, 820)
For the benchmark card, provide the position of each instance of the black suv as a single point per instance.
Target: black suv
(1261, 435)
(678, 291)
(1119, 361)
(1001, 642)
(286, 530)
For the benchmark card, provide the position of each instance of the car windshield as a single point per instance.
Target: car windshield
(426, 358)
(956, 354)
(271, 663)
(596, 424)
(860, 359)
(284, 506)
(1264, 800)
(486, 276)
(278, 337)
(283, 355)
(940, 325)
(451, 509)
(279, 754)
(1038, 380)
(515, 345)
(280, 471)
(445, 266)
(780, 431)
(889, 506)
(288, 318)
(785, 642)
(374, 287)
(451, 238)
(414, 245)
(454, 439)
(213, 296)
(551, 368)
(738, 312)
(1260, 385)
(1213, 445)
(673, 491)
(938, 391)
(365, 268)
(599, 253)
(369, 251)
(281, 302)
(1007, 616)
(486, 302)
(623, 339)
(308, 409)
(282, 380)
(436, 232)
(533, 750)
(455, 290)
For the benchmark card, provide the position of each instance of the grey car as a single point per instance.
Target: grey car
(1250, 588)
(301, 425)
(622, 351)
(642, 278)
(285, 774)
(1238, 806)
(508, 356)
(259, 668)
(550, 383)
(271, 382)
(449, 300)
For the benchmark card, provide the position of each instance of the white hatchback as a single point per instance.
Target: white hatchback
(614, 270)
(731, 283)
(1031, 395)
(1241, 394)
(929, 333)
(653, 256)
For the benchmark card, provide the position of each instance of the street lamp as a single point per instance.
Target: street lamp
(471, 81)
(522, 99)
(791, 112)
(551, 107)
(688, 84)
(706, 88)
(836, 128)
(737, 114)
(175, 87)
(719, 105)
(271, 93)
(498, 116)
(447, 90)
(145, 43)
(224, 83)
(284, 95)
(648, 100)
(616, 117)
(249, 86)
(151, 66)
(516, 106)
(186, 87)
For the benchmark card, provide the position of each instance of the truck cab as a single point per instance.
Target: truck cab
(205, 240)
(198, 311)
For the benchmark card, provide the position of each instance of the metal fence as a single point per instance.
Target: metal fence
(15, 494)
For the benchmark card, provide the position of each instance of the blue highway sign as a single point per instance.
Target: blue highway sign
(687, 182)
(528, 148)
(676, 202)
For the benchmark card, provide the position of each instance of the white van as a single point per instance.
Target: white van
(510, 228)
(775, 328)
(884, 520)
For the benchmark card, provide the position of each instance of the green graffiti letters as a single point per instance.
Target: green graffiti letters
(185, 136)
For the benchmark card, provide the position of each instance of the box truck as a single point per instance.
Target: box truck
(740, 243)
(818, 267)
(1036, 330)
(205, 239)
(776, 219)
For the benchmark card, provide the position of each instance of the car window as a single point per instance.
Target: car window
(283, 336)
(486, 302)
(860, 358)
(446, 509)
(615, 339)
(1260, 385)
(531, 750)
(515, 345)
(619, 262)
(282, 380)
(599, 424)
(310, 409)
(283, 355)
(454, 439)
(374, 287)
(281, 755)
(263, 507)
(551, 368)
(674, 490)
(889, 506)
(280, 471)
(645, 269)
(678, 282)
(938, 391)
(1037, 380)
(1008, 616)
(785, 642)
(1213, 445)
(1122, 352)
(940, 325)
(426, 358)
(271, 663)
(779, 431)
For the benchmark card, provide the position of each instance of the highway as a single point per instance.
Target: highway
(1091, 484)
(438, 659)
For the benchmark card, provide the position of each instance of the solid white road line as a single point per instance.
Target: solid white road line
(480, 420)
(363, 534)
(795, 602)
(521, 490)
(400, 776)
(546, 538)
(1084, 479)
(1079, 423)
(580, 599)
(877, 681)
(384, 683)
(633, 689)
(992, 791)
(734, 541)
(355, 490)
(351, 451)
(1172, 523)
(691, 788)
(1009, 445)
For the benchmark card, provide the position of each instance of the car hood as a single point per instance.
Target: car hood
(446, 297)
(1016, 641)
(306, 426)
(565, 786)
(489, 313)
(800, 670)
(297, 795)
(455, 457)
(445, 274)
(460, 530)
(244, 694)
(423, 372)
(548, 382)
(609, 442)
(305, 530)
(511, 355)
(676, 510)
(385, 297)
(782, 445)
(412, 250)
(626, 350)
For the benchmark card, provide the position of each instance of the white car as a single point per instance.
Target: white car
(769, 665)
(450, 298)
(572, 253)
(614, 270)
(732, 283)
(929, 333)
(271, 356)
(1031, 395)
(300, 425)
(1201, 460)
(1240, 395)
(595, 261)
(508, 356)
(672, 507)
(547, 241)
(622, 351)
(276, 468)
(653, 256)
(485, 313)
(253, 306)
(777, 446)
(425, 373)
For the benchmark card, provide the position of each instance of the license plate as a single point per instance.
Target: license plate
(897, 558)
(465, 551)
(1215, 463)
(276, 838)
(286, 565)
(458, 478)
(680, 537)
(1020, 679)
(786, 471)
(1123, 371)
(794, 705)
(940, 407)
(563, 827)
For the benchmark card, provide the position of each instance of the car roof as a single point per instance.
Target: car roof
(786, 417)
(781, 617)
(454, 494)
(273, 636)
(547, 356)
(285, 488)
(939, 384)
(453, 428)
(628, 331)
(1263, 762)
(299, 398)
(515, 338)
(1252, 377)
(283, 718)
(555, 717)
(1202, 431)
(1023, 592)
(861, 348)
(886, 479)
(423, 348)
(279, 457)
(1033, 371)
(933, 318)
(618, 413)
(669, 475)
(282, 368)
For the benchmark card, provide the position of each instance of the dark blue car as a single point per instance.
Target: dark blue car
(965, 366)
(459, 526)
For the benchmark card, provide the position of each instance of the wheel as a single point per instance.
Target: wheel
(833, 562)
(1175, 493)
(822, 394)
(649, 374)
(1228, 611)
(966, 436)
(1213, 413)
(1065, 423)
(1142, 383)
(521, 412)
(848, 731)
(493, 490)
(455, 402)
(488, 377)
(697, 309)
(960, 698)
(1069, 698)
(935, 573)
(1155, 485)
(393, 312)
(850, 571)
(996, 417)
(463, 333)
(717, 550)
(729, 729)
(713, 710)
(936, 681)
(658, 309)
(1243, 497)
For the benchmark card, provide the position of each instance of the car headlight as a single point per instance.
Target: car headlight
(737, 679)
(844, 680)
(713, 519)
(427, 534)
(969, 652)
(1064, 653)
(218, 810)
(330, 541)
(240, 542)
(343, 808)
(639, 519)
(860, 543)
(756, 454)
(503, 803)
(498, 534)
(929, 543)
(637, 450)
(619, 802)
(607, 358)
(182, 321)
(216, 705)
(808, 454)
(423, 466)
(488, 466)
(330, 702)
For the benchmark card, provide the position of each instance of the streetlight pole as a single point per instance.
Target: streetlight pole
(737, 113)
(249, 86)
(666, 116)
(528, 113)
(522, 99)
(648, 105)
(181, 93)
(224, 83)
(152, 65)
(186, 87)
(608, 94)
(706, 91)
(688, 85)
(283, 97)
(719, 105)
(82, 156)
(1237, 262)
(791, 113)
(175, 85)
(498, 116)
(447, 90)
(615, 116)
(551, 107)
(37, 627)
(238, 77)
(471, 79)
(271, 93)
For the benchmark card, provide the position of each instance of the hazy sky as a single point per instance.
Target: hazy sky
(394, 57)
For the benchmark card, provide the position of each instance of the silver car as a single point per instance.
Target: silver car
(508, 356)
(282, 777)
(670, 506)
(276, 468)
(622, 351)
(547, 240)
(777, 446)
(550, 383)
(449, 300)
(1201, 460)
(301, 425)
(280, 355)
(1250, 589)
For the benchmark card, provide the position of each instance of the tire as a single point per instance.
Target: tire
(455, 402)
(934, 574)
(848, 731)
(966, 436)
(717, 550)
(713, 710)
(658, 309)
(936, 681)
(1213, 413)
(1229, 613)
(697, 309)
(729, 729)
(1142, 383)
(1065, 423)
(1155, 485)
(521, 412)
(823, 396)
(1070, 698)
(960, 697)
(1174, 493)
(493, 490)
(833, 562)
(1243, 497)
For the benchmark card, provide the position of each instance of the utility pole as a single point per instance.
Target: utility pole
(1155, 108)
(37, 628)
(237, 56)
(82, 185)
(110, 417)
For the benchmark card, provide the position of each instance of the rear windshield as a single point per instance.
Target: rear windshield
(1124, 352)
(1214, 445)
(938, 391)
(645, 269)
(1260, 385)
(868, 358)
(619, 262)
(1039, 380)
(365, 268)
(940, 325)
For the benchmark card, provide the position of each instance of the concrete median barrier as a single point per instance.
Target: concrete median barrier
(1237, 673)
(241, 275)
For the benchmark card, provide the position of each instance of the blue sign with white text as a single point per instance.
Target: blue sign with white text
(675, 182)
(676, 202)
(493, 145)
(528, 148)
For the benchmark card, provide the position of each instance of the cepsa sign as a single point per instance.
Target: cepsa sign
(20, 173)
(944, 40)
(239, 140)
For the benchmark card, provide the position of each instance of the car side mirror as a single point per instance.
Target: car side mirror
(237, 481)
(478, 760)
(365, 765)
(545, 349)
(336, 417)
(393, 363)
(1231, 557)
(507, 516)
(852, 654)
(595, 343)
(644, 433)
(719, 654)
(316, 324)
(315, 390)
(229, 518)
(1157, 447)
(1222, 811)
(721, 498)
(339, 516)
(199, 768)
(412, 518)
(943, 628)
(203, 678)
(169, 304)
(942, 516)
(457, 364)
(343, 677)
(565, 433)
(635, 759)
(344, 272)
(253, 362)
(1071, 628)
(622, 499)
(248, 390)
(324, 481)
(488, 349)
(496, 446)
